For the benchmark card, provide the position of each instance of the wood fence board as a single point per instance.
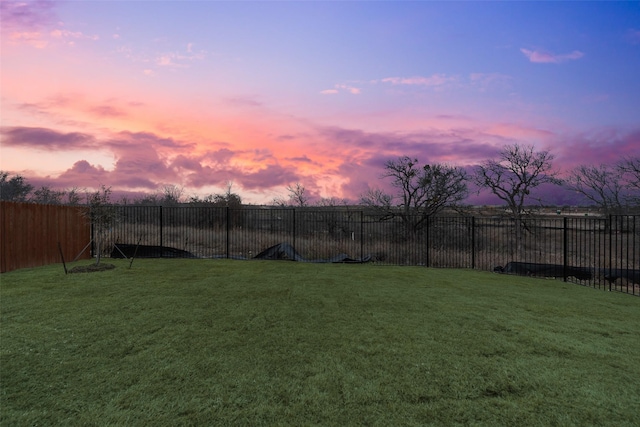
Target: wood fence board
(30, 234)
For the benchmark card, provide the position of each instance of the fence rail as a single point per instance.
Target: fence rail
(604, 246)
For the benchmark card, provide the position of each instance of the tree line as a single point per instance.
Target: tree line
(425, 190)
(419, 190)
(17, 189)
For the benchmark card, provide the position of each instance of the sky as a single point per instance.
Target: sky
(138, 95)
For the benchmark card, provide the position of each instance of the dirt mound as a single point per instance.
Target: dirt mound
(284, 251)
(121, 250)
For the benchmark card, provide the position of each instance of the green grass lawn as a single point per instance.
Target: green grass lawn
(219, 342)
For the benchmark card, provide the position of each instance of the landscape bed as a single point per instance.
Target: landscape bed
(197, 342)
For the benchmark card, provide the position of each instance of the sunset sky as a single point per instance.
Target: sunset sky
(140, 94)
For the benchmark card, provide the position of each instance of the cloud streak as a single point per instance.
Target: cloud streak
(342, 88)
(46, 139)
(429, 81)
(31, 23)
(544, 57)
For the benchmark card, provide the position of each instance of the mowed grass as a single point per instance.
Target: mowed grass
(220, 342)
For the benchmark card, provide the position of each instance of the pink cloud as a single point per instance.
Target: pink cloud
(351, 89)
(141, 154)
(108, 111)
(31, 38)
(518, 132)
(29, 23)
(221, 156)
(47, 139)
(363, 154)
(78, 104)
(26, 16)
(428, 146)
(179, 59)
(543, 57)
(126, 139)
(67, 34)
(264, 178)
(268, 177)
(82, 174)
(186, 163)
(303, 159)
(602, 146)
(342, 88)
(242, 101)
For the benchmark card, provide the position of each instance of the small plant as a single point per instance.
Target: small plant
(102, 216)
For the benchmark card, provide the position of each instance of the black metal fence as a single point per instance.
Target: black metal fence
(609, 247)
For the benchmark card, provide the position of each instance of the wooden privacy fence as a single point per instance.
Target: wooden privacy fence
(29, 234)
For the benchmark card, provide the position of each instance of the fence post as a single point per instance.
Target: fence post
(428, 254)
(294, 228)
(161, 242)
(93, 231)
(633, 243)
(565, 255)
(228, 229)
(361, 234)
(610, 248)
(473, 242)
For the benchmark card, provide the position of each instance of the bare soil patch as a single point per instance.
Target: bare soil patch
(92, 268)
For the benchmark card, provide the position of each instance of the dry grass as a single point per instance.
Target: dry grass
(542, 246)
(589, 243)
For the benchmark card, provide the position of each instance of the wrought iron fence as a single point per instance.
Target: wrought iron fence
(608, 247)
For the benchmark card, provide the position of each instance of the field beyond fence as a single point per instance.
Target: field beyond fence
(608, 247)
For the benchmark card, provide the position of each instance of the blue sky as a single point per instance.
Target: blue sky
(264, 94)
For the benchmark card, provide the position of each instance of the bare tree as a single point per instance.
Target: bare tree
(613, 188)
(332, 202)
(602, 185)
(226, 199)
(517, 171)
(172, 195)
(168, 195)
(102, 215)
(149, 200)
(73, 196)
(46, 195)
(630, 168)
(335, 215)
(298, 195)
(279, 201)
(511, 177)
(422, 191)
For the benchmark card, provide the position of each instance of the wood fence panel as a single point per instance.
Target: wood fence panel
(29, 234)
